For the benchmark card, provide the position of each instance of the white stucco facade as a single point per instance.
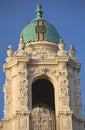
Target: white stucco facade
(48, 61)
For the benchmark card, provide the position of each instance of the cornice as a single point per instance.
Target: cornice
(62, 58)
(15, 61)
(74, 64)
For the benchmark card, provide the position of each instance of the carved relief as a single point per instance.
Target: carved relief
(22, 91)
(22, 86)
(63, 82)
(63, 85)
(7, 96)
(54, 72)
(63, 92)
(41, 119)
(38, 70)
(43, 53)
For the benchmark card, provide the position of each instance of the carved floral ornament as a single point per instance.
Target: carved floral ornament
(23, 91)
(23, 87)
(44, 70)
(63, 82)
(63, 91)
(58, 71)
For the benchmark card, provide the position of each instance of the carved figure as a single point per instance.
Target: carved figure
(61, 47)
(72, 51)
(9, 53)
(20, 51)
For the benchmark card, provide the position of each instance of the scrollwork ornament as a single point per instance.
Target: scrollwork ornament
(39, 70)
(54, 72)
(63, 82)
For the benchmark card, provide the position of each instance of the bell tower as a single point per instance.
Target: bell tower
(41, 90)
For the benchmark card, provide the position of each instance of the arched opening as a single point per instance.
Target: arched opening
(43, 107)
(43, 94)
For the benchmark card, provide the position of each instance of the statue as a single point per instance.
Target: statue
(61, 46)
(9, 53)
(21, 51)
(72, 51)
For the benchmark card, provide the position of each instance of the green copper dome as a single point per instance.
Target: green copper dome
(40, 30)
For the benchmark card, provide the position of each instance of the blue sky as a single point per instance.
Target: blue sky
(68, 16)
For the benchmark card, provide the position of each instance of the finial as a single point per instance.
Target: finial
(21, 39)
(72, 51)
(9, 51)
(21, 43)
(61, 46)
(38, 12)
(61, 40)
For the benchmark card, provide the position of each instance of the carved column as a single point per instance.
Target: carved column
(7, 94)
(64, 119)
(63, 87)
(22, 87)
